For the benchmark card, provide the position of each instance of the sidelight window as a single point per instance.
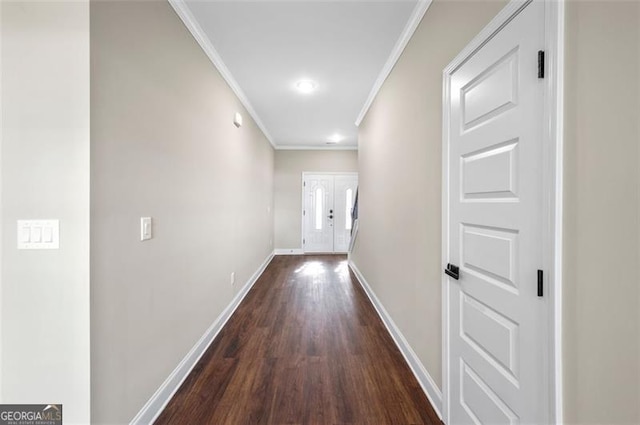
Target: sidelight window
(349, 205)
(319, 198)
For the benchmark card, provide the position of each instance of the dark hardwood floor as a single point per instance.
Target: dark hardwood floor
(304, 347)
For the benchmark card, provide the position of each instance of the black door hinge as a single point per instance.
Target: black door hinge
(304, 241)
(540, 63)
(304, 212)
(540, 283)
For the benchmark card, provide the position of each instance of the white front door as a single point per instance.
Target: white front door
(317, 213)
(497, 333)
(324, 213)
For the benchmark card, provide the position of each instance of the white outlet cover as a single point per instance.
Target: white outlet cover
(146, 228)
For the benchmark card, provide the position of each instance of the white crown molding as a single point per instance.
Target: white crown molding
(315, 148)
(412, 24)
(182, 10)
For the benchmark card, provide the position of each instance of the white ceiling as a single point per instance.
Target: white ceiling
(266, 46)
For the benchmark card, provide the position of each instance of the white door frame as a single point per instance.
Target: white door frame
(304, 174)
(552, 169)
(1, 207)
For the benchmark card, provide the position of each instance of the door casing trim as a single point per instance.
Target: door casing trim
(552, 169)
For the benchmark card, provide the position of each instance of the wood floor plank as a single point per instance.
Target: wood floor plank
(304, 347)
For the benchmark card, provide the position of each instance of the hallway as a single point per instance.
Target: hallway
(180, 181)
(304, 347)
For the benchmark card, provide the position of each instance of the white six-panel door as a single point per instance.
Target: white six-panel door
(326, 213)
(498, 370)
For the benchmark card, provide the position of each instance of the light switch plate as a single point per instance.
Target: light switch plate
(146, 228)
(38, 234)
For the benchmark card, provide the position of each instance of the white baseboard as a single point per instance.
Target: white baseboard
(426, 381)
(296, 251)
(159, 400)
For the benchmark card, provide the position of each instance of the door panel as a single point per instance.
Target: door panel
(479, 401)
(497, 328)
(490, 254)
(493, 335)
(491, 173)
(318, 226)
(492, 92)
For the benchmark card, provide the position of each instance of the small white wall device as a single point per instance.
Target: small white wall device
(146, 228)
(237, 120)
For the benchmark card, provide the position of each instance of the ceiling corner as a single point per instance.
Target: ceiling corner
(412, 24)
(183, 12)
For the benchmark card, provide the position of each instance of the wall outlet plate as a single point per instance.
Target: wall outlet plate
(146, 228)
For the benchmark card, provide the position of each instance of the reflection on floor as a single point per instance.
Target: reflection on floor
(304, 347)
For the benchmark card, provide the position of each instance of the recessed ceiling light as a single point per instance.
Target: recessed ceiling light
(306, 86)
(336, 138)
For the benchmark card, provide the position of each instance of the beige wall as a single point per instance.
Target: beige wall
(398, 248)
(289, 166)
(45, 175)
(401, 134)
(602, 182)
(164, 145)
